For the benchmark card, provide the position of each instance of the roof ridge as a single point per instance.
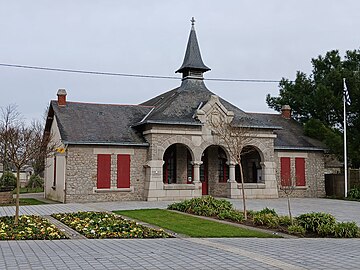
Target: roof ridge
(110, 104)
(263, 113)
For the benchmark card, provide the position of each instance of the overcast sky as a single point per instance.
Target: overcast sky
(254, 39)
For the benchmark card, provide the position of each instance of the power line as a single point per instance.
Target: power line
(131, 75)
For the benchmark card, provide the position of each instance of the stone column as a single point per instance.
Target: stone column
(154, 186)
(196, 180)
(232, 186)
(231, 172)
(196, 166)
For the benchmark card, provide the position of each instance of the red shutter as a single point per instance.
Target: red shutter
(123, 171)
(285, 171)
(103, 171)
(300, 171)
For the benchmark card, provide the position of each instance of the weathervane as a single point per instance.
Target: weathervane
(192, 21)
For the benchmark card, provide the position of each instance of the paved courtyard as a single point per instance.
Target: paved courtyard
(187, 253)
(342, 210)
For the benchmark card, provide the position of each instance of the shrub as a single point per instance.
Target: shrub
(346, 230)
(251, 213)
(354, 193)
(268, 211)
(284, 220)
(233, 215)
(8, 179)
(35, 181)
(266, 219)
(326, 229)
(311, 221)
(297, 230)
(203, 206)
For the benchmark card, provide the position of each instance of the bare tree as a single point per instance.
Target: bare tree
(38, 163)
(235, 138)
(24, 145)
(288, 187)
(9, 117)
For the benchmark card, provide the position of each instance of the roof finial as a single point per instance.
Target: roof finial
(192, 22)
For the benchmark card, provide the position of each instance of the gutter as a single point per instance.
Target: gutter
(260, 127)
(106, 143)
(299, 148)
(168, 123)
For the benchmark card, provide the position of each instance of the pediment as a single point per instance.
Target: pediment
(214, 112)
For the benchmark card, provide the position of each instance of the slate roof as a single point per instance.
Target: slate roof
(85, 123)
(192, 59)
(88, 123)
(179, 105)
(290, 135)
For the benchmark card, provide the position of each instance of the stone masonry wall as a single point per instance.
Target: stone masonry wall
(81, 175)
(314, 174)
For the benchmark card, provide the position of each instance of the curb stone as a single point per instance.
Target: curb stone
(69, 232)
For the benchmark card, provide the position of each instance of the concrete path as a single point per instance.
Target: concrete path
(186, 253)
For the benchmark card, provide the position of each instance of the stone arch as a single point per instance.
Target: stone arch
(258, 149)
(174, 140)
(200, 150)
(262, 149)
(177, 166)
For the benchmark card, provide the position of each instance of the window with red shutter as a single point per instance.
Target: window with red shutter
(123, 171)
(103, 171)
(285, 171)
(300, 171)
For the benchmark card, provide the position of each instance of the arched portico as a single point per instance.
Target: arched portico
(178, 167)
(252, 162)
(214, 171)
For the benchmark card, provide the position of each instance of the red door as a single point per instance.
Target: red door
(204, 174)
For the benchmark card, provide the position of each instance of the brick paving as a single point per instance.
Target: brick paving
(186, 253)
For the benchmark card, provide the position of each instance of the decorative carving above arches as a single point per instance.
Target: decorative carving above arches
(213, 112)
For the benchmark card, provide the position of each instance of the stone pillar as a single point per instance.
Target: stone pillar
(196, 165)
(231, 172)
(154, 186)
(232, 186)
(196, 180)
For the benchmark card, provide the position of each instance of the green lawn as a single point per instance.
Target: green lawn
(25, 201)
(188, 225)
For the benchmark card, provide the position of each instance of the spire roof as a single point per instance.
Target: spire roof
(192, 59)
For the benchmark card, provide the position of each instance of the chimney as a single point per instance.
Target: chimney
(286, 112)
(61, 97)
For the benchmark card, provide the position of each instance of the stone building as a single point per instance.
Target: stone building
(165, 148)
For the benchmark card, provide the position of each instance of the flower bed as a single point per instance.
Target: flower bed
(105, 225)
(29, 228)
(308, 225)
